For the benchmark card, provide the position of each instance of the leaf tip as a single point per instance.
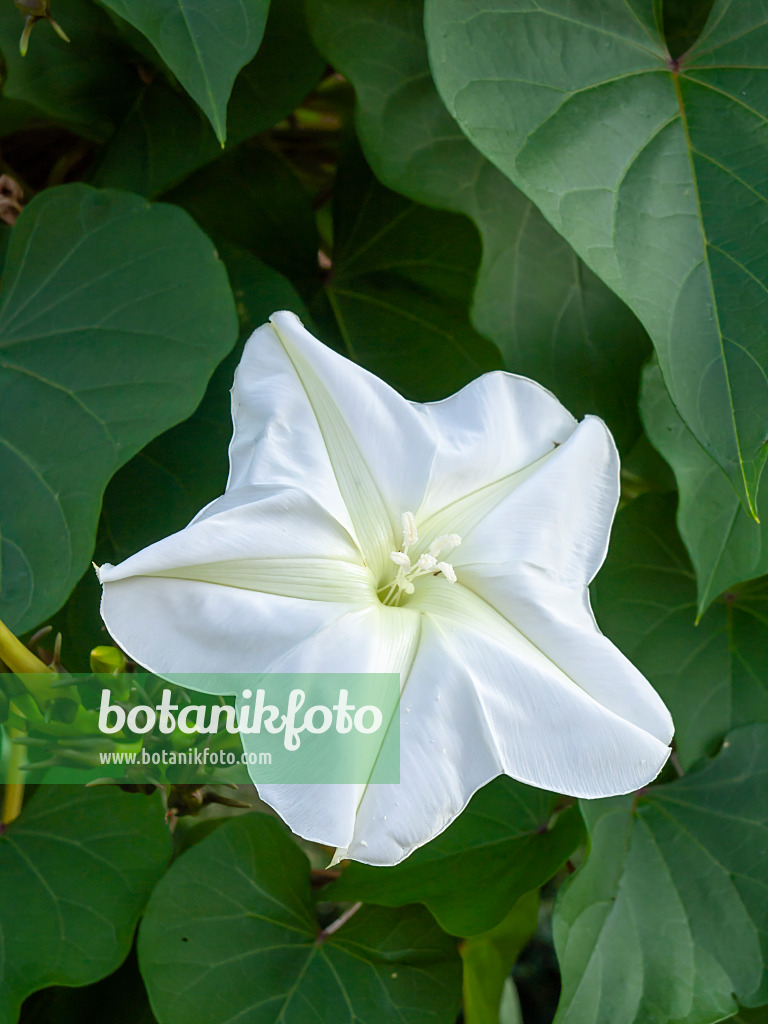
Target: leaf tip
(751, 502)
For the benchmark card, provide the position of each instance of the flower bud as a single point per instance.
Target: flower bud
(34, 8)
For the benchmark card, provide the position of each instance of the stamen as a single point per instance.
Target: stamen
(400, 559)
(444, 545)
(447, 570)
(410, 533)
(427, 563)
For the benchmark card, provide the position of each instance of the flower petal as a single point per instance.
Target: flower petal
(492, 429)
(322, 422)
(551, 732)
(558, 620)
(175, 627)
(558, 518)
(276, 438)
(259, 538)
(447, 752)
(310, 406)
(258, 571)
(482, 700)
(374, 639)
(607, 692)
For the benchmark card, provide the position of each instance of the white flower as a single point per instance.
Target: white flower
(322, 556)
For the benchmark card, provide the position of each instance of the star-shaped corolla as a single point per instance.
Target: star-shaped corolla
(451, 542)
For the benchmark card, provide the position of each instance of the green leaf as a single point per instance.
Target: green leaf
(550, 316)
(119, 998)
(164, 137)
(713, 676)
(251, 198)
(113, 315)
(643, 469)
(78, 866)
(85, 85)
(726, 545)
(231, 932)
(502, 846)
(758, 1015)
(397, 295)
(668, 917)
(683, 21)
(167, 483)
(204, 44)
(400, 286)
(488, 960)
(178, 473)
(651, 168)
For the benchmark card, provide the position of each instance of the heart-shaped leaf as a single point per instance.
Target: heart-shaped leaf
(726, 545)
(231, 933)
(113, 315)
(471, 875)
(165, 137)
(250, 198)
(84, 862)
(205, 44)
(176, 474)
(668, 917)
(550, 316)
(651, 167)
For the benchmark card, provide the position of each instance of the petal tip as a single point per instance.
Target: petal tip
(285, 314)
(339, 855)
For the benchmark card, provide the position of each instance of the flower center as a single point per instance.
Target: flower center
(392, 593)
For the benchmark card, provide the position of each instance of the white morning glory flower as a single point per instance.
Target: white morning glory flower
(450, 542)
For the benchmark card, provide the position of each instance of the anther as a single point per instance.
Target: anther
(447, 570)
(445, 544)
(425, 564)
(410, 533)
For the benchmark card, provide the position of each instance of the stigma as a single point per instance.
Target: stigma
(429, 562)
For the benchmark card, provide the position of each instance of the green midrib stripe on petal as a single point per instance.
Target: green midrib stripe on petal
(462, 607)
(399, 635)
(309, 579)
(375, 527)
(463, 515)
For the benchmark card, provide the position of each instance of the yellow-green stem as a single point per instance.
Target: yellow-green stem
(16, 656)
(13, 790)
(36, 676)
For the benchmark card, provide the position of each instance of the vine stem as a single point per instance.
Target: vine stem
(19, 659)
(13, 791)
(16, 656)
(340, 920)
